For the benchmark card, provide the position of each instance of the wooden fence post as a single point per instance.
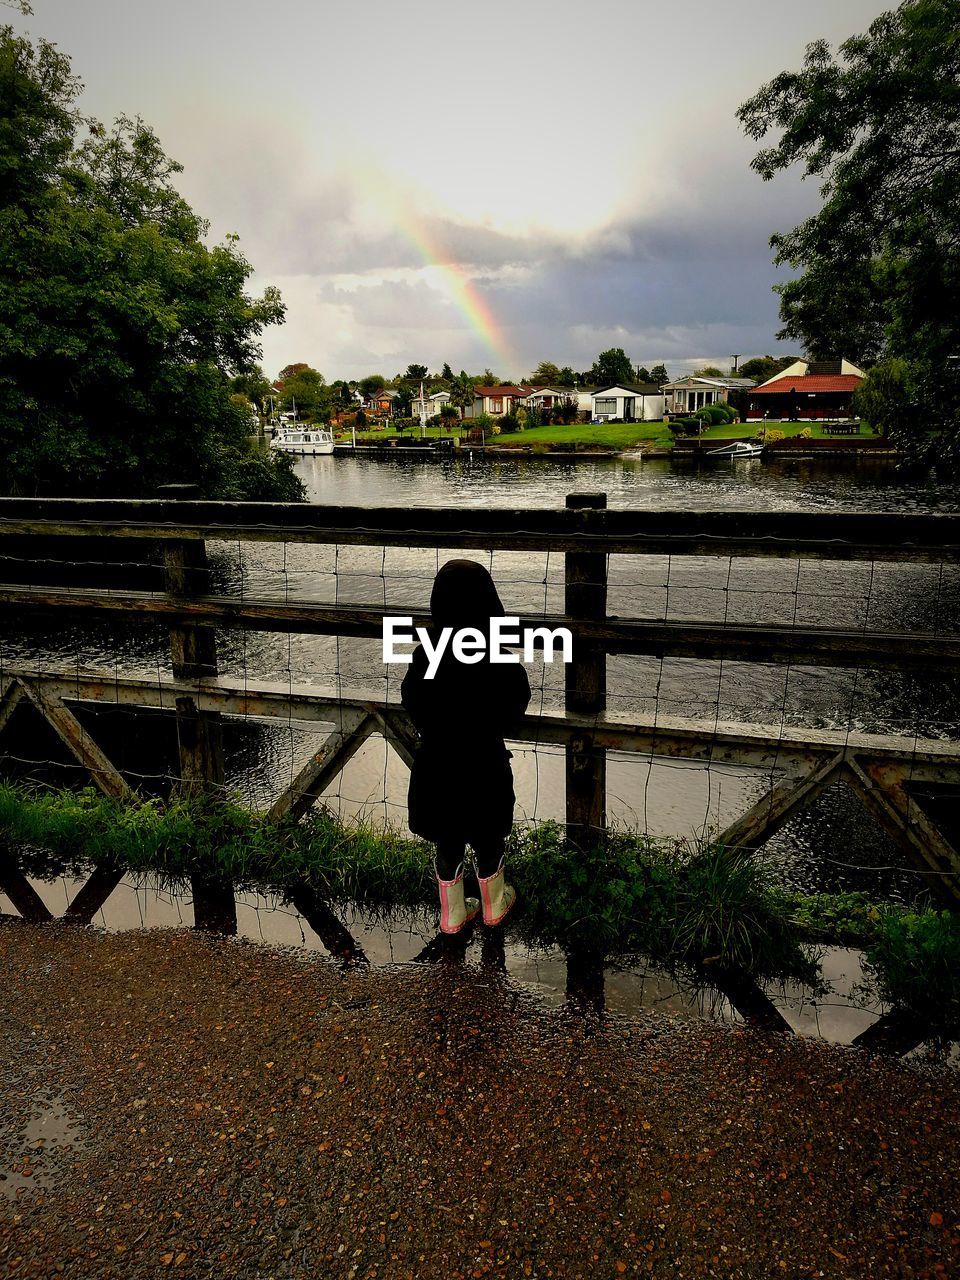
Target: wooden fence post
(193, 653)
(585, 596)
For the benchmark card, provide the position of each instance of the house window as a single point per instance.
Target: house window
(496, 404)
(606, 405)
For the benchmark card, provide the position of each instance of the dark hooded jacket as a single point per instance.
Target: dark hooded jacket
(461, 784)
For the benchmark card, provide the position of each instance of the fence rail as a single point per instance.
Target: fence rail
(881, 769)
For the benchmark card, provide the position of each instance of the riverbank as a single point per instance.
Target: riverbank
(230, 1110)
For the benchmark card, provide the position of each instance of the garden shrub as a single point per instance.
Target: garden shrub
(915, 959)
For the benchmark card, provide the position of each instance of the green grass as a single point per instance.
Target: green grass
(617, 435)
(684, 907)
(612, 435)
(739, 430)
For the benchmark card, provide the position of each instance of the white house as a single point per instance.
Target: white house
(628, 401)
(547, 397)
(433, 402)
(687, 395)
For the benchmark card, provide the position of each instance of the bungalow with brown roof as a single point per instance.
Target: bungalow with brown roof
(808, 390)
(497, 401)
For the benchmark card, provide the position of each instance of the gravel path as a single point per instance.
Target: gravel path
(174, 1105)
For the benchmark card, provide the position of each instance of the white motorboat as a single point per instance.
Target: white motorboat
(303, 438)
(737, 449)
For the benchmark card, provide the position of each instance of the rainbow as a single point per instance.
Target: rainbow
(463, 292)
(460, 287)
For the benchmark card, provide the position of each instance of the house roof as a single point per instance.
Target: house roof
(732, 384)
(507, 389)
(809, 384)
(635, 388)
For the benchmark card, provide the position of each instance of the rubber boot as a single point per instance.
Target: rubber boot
(455, 909)
(496, 895)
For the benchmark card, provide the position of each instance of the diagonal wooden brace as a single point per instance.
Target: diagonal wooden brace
(354, 727)
(9, 701)
(78, 742)
(880, 786)
(790, 796)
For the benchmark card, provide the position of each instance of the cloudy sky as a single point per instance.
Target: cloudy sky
(489, 185)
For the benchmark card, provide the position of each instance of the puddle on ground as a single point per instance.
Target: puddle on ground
(839, 1012)
(37, 1153)
(839, 1015)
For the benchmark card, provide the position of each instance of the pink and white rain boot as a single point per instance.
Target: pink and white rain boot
(497, 896)
(455, 909)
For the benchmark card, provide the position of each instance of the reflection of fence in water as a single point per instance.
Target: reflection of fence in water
(752, 626)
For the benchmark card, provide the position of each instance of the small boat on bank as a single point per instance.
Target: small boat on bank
(738, 449)
(303, 438)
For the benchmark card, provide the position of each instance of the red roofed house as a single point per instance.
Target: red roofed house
(497, 400)
(818, 391)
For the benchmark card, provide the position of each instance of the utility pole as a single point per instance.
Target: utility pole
(736, 360)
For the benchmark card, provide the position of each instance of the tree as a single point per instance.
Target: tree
(708, 371)
(462, 392)
(879, 263)
(611, 367)
(371, 385)
(659, 375)
(566, 377)
(642, 374)
(120, 329)
(401, 405)
(306, 392)
(254, 385)
(546, 374)
(446, 373)
(884, 397)
(416, 372)
(761, 368)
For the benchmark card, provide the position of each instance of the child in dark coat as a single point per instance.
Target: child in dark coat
(461, 784)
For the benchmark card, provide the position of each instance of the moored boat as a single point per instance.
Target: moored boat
(303, 438)
(736, 449)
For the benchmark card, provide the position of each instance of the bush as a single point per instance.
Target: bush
(509, 423)
(772, 434)
(534, 417)
(805, 434)
(916, 962)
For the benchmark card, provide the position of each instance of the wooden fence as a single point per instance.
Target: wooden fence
(881, 769)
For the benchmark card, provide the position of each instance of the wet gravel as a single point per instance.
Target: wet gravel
(172, 1104)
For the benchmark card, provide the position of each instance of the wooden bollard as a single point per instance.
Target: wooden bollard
(193, 654)
(585, 596)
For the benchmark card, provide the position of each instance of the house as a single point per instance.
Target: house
(497, 401)
(814, 390)
(380, 403)
(627, 401)
(687, 395)
(585, 401)
(548, 397)
(433, 402)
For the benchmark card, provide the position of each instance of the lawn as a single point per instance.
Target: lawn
(612, 435)
(739, 430)
(616, 435)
